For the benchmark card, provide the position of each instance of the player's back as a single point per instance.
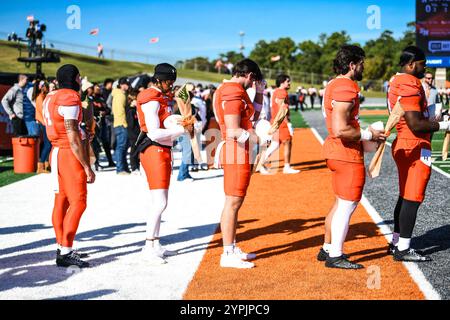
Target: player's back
(410, 88)
(53, 118)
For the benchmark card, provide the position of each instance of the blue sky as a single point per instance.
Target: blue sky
(204, 28)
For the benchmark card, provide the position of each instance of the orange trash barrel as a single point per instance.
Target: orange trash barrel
(25, 154)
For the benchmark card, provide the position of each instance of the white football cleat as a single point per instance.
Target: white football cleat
(152, 256)
(234, 261)
(290, 171)
(243, 255)
(163, 252)
(264, 171)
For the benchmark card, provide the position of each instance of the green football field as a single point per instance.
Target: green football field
(438, 140)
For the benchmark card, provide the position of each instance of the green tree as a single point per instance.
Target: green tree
(232, 56)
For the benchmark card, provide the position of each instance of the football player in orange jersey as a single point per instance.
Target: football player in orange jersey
(280, 99)
(155, 153)
(411, 150)
(70, 163)
(343, 152)
(234, 112)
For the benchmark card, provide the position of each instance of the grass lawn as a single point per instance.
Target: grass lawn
(297, 120)
(7, 175)
(437, 142)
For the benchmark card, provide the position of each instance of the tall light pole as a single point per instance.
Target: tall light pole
(242, 47)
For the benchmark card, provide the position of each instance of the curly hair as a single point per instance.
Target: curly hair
(346, 55)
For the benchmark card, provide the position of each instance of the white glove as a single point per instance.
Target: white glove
(260, 86)
(291, 129)
(198, 126)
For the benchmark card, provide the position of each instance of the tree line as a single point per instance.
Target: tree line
(382, 54)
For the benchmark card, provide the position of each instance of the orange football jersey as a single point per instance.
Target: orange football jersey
(231, 98)
(152, 94)
(409, 91)
(279, 94)
(54, 121)
(342, 90)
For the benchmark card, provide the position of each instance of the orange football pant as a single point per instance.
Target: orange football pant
(157, 163)
(70, 202)
(413, 174)
(348, 179)
(237, 168)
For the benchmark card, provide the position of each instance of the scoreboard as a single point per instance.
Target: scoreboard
(433, 31)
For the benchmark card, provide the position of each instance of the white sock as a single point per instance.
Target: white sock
(339, 226)
(228, 249)
(271, 149)
(287, 166)
(326, 247)
(58, 246)
(403, 244)
(395, 237)
(65, 250)
(159, 204)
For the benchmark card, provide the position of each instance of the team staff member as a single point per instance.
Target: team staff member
(411, 150)
(70, 163)
(344, 153)
(280, 99)
(234, 112)
(156, 159)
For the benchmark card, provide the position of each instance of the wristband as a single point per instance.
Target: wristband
(245, 135)
(366, 135)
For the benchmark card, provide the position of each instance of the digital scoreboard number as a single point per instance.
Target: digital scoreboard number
(433, 30)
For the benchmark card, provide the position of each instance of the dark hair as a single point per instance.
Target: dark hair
(346, 55)
(246, 66)
(281, 79)
(109, 80)
(411, 54)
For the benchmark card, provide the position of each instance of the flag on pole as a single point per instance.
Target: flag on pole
(30, 18)
(154, 40)
(275, 58)
(94, 32)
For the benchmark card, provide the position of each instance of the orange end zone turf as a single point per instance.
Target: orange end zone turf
(282, 220)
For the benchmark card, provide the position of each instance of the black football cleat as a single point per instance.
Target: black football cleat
(323, 255)
(341, 263)
(391, 249)
(69, 260)
(410, 255)
(81, 255)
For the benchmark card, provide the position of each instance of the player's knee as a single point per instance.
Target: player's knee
(346, 206)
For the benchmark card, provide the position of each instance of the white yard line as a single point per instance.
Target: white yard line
(112, 230)
(416, 274)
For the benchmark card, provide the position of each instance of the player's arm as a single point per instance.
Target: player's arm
(260, 86)
(76, 145)
(155, 132)
(233, 124)
(343, 130)
(415, 120)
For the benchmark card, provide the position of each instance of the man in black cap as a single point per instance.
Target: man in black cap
(156, 159)
(71, 169)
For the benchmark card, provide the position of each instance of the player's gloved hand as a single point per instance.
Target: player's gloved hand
(260, 86)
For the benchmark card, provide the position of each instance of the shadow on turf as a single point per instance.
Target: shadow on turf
(23, 229)
(87, 295)
(433, 241)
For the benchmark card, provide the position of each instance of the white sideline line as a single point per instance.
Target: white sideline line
(416, 274)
